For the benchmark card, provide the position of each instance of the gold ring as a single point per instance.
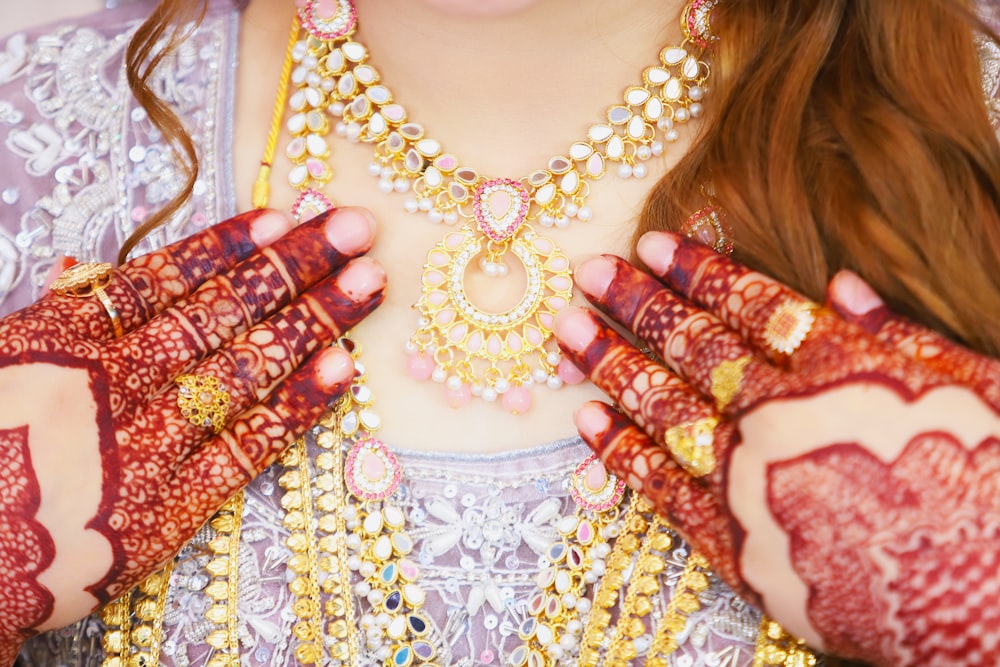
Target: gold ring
(203, 401)
(693, 445)
(727, 380)
(89, 279)
(789, 325)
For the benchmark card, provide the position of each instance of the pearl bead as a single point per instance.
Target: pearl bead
(696, 110)
(546, 220)
(336, 109)
(401, 185)
(501, 386)
(657, 148)
(682, 115)
(353, 132)
(439, 374)
(355, 543)
(353, 563)
(584, 214)
(583, 605)
(374, 169)
(489, 268)
(574, 627)
(540, 375)
(340, 129)
(367, 569)
(362, 588)
(454, 382)
(571, 209)
(665, 123)
(562, 221)
(385, 186)
(639, 170)
(386, 173)
(644, 152)
(425, 204)
(502, 269)
(451, 217)
(489, 394)
(554, 382)
(696, 93)
(435, 216)
(624, 170)
(671, 136)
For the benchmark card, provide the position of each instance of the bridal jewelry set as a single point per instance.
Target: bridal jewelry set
(353, 578)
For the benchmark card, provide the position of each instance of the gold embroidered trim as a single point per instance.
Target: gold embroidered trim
(224, 588)
(137, 644)
(777, 648)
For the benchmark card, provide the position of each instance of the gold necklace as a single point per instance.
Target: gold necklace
(474, 351)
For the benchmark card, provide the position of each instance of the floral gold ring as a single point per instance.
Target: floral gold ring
(203, 401)
(693, 445)
(789, 325)
(89, 279)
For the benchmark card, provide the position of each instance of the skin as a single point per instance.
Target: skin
(102, 496)
(854, 492)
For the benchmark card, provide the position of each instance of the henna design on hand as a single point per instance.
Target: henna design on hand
(897, 555)
(258, 327)
(27, 547)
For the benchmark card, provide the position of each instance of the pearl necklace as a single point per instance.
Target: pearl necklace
(473, 351)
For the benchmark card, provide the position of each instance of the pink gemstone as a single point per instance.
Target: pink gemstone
(408, 569)
(569, 373)
(372, 466)
(447, 162)
(317, 169)
(326, 9)
(585, 532)
(420, 365)
(499, 203)
(459, 398)
(596, 477)
(516, 400)
(486, 657)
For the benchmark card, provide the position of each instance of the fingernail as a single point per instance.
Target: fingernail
(854, 294)
(656, 250)
(591, 422)
(350, 230)
(268, 227)
(335, 367)
(575, 329)
(361, 278)
(594, 276)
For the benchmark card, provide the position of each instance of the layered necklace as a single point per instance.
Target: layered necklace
(355, 586)
(490, 220)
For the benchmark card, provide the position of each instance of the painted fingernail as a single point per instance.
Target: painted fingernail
(351, 230)
(656, 250)
(854, 294)
(575, 329)
(335, 367)
(361, 278)
(268, 227)
(594, 276)
(591, 421)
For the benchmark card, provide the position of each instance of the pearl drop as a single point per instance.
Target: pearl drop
(697, 110)
(309, 61)
(568, 642)
(554, 382)
(624, 170)
(362, 588)
(665, 123)
(671, 136)
(590, 577)
(489, 394)
(696, 93)
(501, 386)
(376, 597)
(644, 152)
(425, 204)
(546, 220)
(583, 605)
(410, 206)
(502, 269)
(553, 358)
(571, 209)
(439, 374)
(435, 216)
(639, 170)
(682, 115)
(367, 569)
(555, 651)
(336, 109)
(386, 173)
(353, 132)
(355, 543)
(385, 186)
(584, 214)
(340, 129)
(401, 185)
(454, 382)
(562, 222)
(451, 217)
(540, 375)
(490, 269)
(569, 600)
(574, 627)
(374, 169)
(353, 563)
(657, 148)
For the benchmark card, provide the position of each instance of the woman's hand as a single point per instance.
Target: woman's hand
(102, 478)
(849, 484)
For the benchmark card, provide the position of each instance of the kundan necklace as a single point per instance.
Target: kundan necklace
(473, 351)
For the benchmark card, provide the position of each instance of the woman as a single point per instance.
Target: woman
(468, 547)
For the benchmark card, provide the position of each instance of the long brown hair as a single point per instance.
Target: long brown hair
(840, 134)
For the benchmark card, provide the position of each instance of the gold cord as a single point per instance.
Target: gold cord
(262, 186)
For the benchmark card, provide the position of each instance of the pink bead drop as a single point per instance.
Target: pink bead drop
(516, 400)
(420, 366)
(459, 398)
(569, 373)
(486, 657)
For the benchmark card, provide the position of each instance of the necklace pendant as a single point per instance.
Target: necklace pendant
(477, 352)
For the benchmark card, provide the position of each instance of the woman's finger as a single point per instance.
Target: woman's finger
(855, 301)
(256, 361)
(691, 507)
(230, 303)
(692, 342)
(147, 285)
(254, 439)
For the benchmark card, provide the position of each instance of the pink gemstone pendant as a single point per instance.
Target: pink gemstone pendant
(329, 19)
(371, 470)
(310, 204)
(501, 206)
(594, 488)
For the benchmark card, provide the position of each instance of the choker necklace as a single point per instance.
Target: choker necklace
(473, 351)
